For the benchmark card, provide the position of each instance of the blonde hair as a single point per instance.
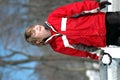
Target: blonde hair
(28, 35)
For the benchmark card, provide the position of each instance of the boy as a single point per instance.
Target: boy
(78, 29)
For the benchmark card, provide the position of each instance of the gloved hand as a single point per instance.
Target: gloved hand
(103, 4)
(106, 58)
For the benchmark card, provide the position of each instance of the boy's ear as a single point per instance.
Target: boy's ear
(37, 27)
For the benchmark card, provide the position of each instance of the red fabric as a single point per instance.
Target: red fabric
(88, 30)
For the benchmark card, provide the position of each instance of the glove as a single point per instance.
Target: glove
(106, 58)
(103, 4)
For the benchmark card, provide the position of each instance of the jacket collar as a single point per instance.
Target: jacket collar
(49, 26)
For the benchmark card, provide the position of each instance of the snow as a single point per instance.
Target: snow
(114, 51)
(93, 75)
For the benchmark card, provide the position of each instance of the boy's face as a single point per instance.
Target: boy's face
(38, 33)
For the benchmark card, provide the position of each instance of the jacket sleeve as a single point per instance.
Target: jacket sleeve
(76, 53)
(74, 8)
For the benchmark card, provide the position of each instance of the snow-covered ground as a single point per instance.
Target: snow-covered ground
(114, 51)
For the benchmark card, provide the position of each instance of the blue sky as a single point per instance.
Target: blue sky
(10, 72)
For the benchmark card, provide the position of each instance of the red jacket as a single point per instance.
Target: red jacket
(88, 30)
